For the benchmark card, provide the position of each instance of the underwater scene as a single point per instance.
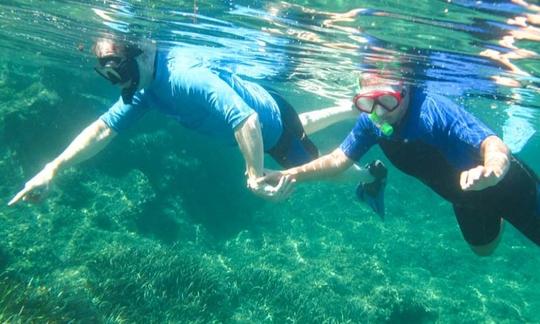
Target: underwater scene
(160, 226)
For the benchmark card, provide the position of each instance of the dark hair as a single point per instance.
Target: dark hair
(123, 47)
(378, 78)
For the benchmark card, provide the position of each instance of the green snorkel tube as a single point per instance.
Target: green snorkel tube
(385, 127)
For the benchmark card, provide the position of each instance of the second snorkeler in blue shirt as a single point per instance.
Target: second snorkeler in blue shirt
(438, 142)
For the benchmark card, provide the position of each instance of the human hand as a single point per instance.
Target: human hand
(480, 178)
(272, 177)
(35, 189)
(274, 187)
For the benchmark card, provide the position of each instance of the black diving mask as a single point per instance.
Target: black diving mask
(121, 70)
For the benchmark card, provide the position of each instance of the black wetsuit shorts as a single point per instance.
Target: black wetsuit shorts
(293, 148)
(515, 198)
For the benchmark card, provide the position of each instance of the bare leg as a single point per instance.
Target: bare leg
(315, 120)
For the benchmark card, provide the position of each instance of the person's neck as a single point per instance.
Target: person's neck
(146, 63)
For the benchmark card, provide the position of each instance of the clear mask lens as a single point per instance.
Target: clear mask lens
(110, 74)
(365, 104)
(389, 102)
(112, 68)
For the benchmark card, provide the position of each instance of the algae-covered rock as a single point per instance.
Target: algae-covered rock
(113, 204)
(24, 97)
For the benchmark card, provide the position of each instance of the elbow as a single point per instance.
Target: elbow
(339, 162)
(495, 144)
(102, 130)
(249, 124)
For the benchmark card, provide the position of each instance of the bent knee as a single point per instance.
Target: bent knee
(487, 249)
(484, 250)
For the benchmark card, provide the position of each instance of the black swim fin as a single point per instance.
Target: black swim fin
(373, 193)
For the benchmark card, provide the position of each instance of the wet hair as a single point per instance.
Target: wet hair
(379, 78)
(121, 47)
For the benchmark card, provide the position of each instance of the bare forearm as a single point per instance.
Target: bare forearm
(249, 138)
(326, 166)
(496, 155)
(89, 142)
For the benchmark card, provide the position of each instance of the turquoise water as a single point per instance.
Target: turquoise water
(159, 227)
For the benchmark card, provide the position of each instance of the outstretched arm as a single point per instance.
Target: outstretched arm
(326, 166)
(496, 163)
(89, 142)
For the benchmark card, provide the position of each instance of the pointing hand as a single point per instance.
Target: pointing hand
(35, 189)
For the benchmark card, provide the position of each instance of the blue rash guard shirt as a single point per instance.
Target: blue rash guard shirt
(435, 142)
(433, 120)
(199, 98)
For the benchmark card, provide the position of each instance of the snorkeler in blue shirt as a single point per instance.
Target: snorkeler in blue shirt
(211, 102)
(434, 140)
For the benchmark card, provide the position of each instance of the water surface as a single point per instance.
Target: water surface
(159, 226)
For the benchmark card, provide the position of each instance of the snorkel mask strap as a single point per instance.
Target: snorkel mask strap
(131, 70)
(132, 51)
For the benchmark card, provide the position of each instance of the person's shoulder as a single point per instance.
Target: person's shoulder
(179, 62)
(363, 120)
(192, 75)
(440, 105)
(442, 101)
(433, 110)
(139, 100)
(363, 124)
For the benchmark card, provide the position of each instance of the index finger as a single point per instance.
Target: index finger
(18, 196)
(286, 188)
(463, 180)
